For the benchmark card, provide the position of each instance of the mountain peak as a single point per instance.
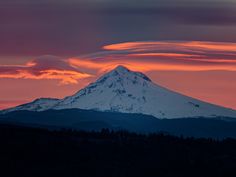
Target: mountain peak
(121, 72)
(121, 68)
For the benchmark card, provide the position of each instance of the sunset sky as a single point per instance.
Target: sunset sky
(53, 48)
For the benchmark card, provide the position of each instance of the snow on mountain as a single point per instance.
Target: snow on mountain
(40, 104)
(122, 90)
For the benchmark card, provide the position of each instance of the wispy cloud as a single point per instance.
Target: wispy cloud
(45, 67)
(143, 56)
(163, 55)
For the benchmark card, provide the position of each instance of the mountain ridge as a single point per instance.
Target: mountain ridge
(126, 91)
(90, 120)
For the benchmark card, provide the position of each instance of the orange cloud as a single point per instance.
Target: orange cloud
(194, 45)
(215, 46)
(150, 66)
(132, 45)
(141, 56)
(47, 67)
(162, 55)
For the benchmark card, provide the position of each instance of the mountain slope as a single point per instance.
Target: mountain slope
(122, 90)
(40, 104)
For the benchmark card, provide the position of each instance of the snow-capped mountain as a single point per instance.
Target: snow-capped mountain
(122, 90)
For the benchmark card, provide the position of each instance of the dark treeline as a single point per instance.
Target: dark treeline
(31, 152)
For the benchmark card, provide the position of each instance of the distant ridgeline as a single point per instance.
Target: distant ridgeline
(89, 120)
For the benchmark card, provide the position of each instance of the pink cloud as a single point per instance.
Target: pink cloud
(44, 67)
(162, 55)
(142, 56)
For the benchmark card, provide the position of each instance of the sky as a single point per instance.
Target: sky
(52, 48)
